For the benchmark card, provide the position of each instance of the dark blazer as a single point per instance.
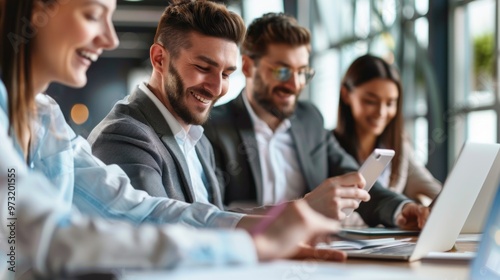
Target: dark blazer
(231, 133)
(136, 136)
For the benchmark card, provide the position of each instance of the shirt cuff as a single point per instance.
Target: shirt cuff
(217, 248)
(399, 209)
(224, 219)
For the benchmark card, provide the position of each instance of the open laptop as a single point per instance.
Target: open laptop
(450, 211)
(479, 213)
(486, 265)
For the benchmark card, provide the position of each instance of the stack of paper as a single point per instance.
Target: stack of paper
(363, 244)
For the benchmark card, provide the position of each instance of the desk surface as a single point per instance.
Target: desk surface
(311, 270)
(317, 270)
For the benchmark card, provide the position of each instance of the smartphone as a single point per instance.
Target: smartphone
(371, 169)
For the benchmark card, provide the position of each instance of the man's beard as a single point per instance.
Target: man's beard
(176, 95)
(264, 98)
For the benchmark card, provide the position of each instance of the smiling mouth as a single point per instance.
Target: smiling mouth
(199, 98)
(376, 123)
(92, 57)
(283, 93)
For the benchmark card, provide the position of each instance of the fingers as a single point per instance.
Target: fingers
(308, 252)
(424, 213)
(330, 199)
(401, 221)
(349, 179)
(319, 224)
(296, 223)
(330, 188)
(337, 193)
(344, 203)
(352, 192)
(413, 216)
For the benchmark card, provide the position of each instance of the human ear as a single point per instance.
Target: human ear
(159, 58)
(247, 65)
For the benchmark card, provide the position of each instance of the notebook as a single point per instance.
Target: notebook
(486, 265)
(451, 208)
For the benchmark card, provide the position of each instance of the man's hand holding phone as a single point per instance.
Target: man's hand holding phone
(371, 169)
(337, 193)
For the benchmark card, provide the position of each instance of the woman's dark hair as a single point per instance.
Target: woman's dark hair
(15, 58)
(363, 70)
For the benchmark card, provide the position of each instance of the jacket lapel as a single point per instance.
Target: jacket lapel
(247, 133)
(301, 146)
(161, 127)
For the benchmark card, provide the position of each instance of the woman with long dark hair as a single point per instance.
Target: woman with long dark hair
(370, 116)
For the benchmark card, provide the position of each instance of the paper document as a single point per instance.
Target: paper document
(366, 243)
(379, 231)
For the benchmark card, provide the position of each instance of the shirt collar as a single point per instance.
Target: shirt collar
(258, 122)
(194, 133)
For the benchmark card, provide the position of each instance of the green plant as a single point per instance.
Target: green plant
(484, 48)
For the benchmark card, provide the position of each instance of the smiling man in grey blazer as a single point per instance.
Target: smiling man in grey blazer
(155, 134)
(271, 147)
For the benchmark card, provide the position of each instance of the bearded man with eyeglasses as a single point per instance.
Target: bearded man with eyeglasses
(270, 147)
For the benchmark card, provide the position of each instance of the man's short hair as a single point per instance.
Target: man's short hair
(274, 28)
(181, 18)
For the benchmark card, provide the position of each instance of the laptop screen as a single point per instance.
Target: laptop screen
(486, 265)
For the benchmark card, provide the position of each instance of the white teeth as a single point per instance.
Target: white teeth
(203, 100)
(90, 56)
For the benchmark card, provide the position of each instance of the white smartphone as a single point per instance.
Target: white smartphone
(371, 169)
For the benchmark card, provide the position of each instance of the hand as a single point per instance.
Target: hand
(308, 252)
(294, 223)
(338, 193)
(412, 216)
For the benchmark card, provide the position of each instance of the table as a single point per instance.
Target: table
(317, 270)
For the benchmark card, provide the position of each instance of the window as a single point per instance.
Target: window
(396, 30)
(473, 109)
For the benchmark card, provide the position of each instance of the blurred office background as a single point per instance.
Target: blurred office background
(445, 49)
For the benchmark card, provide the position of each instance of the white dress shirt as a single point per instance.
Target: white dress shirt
(187, 141)
(282, 178)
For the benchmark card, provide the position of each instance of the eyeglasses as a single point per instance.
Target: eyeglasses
(283, 74)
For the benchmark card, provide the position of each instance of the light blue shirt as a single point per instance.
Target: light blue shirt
(117, 228)
(187, 142)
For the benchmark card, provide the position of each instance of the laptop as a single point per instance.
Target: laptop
(479, 213)
(475, 220)
(450, 209)
(486, 265)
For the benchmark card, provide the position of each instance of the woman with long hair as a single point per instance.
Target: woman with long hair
(370, 116)
(62, 209)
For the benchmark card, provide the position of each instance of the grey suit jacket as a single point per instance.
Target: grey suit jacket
(231, 133)
(136, 136)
